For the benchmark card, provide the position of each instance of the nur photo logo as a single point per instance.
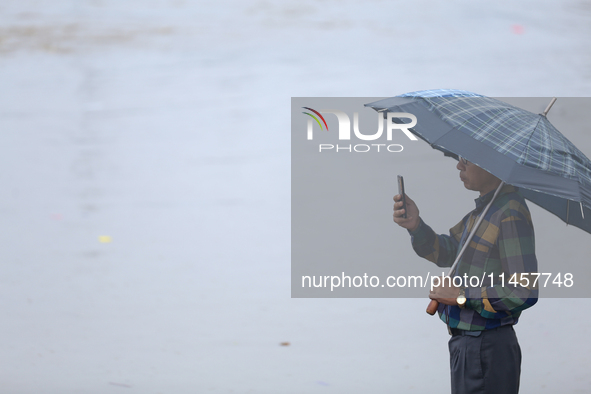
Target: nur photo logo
(394, 122)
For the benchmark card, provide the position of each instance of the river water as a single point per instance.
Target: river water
(145, 169)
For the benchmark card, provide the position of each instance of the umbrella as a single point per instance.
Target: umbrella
(517, 146)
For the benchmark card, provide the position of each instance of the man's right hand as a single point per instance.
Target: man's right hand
(412, 220)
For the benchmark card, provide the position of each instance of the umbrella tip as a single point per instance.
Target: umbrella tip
(548, 107)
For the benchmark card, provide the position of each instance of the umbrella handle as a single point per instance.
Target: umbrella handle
(432, 308)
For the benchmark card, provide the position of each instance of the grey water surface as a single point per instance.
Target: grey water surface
(145, 177)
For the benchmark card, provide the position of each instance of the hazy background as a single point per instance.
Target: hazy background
(145, 173)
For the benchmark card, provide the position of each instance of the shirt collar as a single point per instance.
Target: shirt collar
(481, 201)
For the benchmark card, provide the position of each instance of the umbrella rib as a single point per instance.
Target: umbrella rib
(529, 139)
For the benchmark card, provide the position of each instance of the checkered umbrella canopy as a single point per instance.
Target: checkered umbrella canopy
(521, 148)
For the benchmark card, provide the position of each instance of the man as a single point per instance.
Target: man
(485, 356)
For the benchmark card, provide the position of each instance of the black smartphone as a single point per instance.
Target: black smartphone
(401, 192)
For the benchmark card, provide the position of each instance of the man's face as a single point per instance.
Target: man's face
(477, 179)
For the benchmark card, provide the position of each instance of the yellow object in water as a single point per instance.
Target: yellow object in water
(104, 238)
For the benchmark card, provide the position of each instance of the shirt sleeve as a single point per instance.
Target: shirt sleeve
(437, 248)
(516, 247)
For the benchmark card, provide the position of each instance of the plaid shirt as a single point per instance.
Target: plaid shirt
(504, 243)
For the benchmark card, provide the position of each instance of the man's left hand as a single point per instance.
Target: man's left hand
(445, 294)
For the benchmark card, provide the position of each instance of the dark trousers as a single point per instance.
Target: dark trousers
(489, 363)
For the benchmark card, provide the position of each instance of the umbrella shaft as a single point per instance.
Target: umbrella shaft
(459, 256)
(549, 106)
